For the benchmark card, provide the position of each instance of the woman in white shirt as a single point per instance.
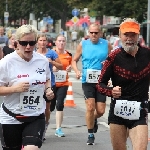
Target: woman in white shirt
(24, 78)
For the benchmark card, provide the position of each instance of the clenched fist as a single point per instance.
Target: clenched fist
(21, 87)
(49, 94)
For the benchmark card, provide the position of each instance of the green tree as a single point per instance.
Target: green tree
(61, 9)
(124, 9)
(127, 8)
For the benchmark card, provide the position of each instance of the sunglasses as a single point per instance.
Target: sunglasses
(94, 32)
(25, 43)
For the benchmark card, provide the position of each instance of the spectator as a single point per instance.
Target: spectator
(74, 38)
(3, 38)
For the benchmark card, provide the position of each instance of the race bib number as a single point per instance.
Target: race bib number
(127, 109)
(92, 75)
(60, 76)
(31, 100)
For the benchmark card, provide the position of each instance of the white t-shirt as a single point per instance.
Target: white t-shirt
(14, 69)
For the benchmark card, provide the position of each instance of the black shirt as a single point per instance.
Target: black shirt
(7, 50)
(130, 73)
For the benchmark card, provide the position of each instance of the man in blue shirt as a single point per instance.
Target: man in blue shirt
(94, 52)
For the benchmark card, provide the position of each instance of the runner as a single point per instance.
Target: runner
(62, 83)
(94, 51)
(129, 69)
(12, 46)
(53, 61)
(24, 77)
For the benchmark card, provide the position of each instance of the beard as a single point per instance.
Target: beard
(129, 48)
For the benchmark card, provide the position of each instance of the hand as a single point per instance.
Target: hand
(55, 69)
(50, 60)
(78, 74)
(109, 83)
(21, 87)
(116, 92)
(68, 68)
(103, 62)
(49, 94)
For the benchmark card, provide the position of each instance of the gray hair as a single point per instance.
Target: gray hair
(25, 29)
(130, 20)
(95, 25)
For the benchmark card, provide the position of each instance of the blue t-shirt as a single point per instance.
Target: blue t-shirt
(53, 55)
(93, 55)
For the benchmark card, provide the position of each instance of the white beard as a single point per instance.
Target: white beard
(131, 48)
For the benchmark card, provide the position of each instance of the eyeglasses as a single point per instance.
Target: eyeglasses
(25, 43)
(94, 32)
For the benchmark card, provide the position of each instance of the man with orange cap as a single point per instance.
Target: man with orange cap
(129, 69)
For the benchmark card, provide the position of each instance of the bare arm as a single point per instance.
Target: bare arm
(109, 48)
(48, 90)
(56, 63)
(48, 84)
(76, 59)
(20, 87)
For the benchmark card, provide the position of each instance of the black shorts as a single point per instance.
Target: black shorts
(112, 118)
(90, 91)
(16, 135)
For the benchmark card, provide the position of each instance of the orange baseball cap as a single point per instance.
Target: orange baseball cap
(130, 27)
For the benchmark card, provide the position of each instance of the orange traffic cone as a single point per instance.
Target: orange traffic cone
(69, 97)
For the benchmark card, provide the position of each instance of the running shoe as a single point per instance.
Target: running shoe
(91, 139)
(59, 133)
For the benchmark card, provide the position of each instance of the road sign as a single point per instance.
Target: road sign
(50, 20)
(93, 13)
(6, 14)
(44, 19)
(75, 19)
(75, 12)
(84, 25)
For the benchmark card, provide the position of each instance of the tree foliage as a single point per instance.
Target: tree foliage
(127, 8)
(61, 9)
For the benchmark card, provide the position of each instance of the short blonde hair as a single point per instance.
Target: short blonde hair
(10, 34)
(25, 29)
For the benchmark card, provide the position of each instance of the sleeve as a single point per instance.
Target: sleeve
(48, 54)
(52, 54)
(3, 73)
(106, 74)
(55, 55)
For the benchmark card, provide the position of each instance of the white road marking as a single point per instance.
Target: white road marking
(104, 124)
